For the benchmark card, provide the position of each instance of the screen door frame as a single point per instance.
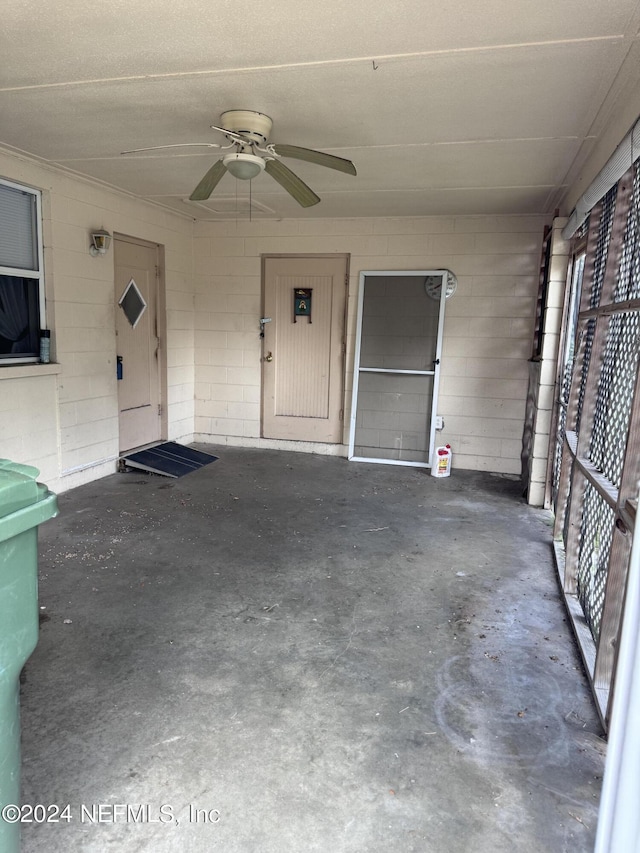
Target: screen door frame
(358, 369)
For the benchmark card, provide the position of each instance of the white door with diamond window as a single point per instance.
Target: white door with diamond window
(137, 343)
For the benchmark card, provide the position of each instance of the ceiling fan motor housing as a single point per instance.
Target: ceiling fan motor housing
(255, 126)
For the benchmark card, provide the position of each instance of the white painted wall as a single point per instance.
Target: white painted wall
(63, 418)
(488, 327)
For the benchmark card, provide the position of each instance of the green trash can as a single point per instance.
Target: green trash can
(24, 504)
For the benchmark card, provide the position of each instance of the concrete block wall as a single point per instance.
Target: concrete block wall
(488, 326)
(65, 417)
(28, 419)
(543, 441)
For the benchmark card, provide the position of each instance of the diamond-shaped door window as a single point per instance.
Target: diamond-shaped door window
(132, 303)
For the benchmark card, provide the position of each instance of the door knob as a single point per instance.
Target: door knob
(268, 357)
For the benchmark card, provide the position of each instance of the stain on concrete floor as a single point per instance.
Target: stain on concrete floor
(296, 653)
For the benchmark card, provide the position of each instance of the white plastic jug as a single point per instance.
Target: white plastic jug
(441, 463)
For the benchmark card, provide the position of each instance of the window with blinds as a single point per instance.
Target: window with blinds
(21, 274)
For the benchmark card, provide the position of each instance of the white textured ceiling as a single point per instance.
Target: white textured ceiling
(478, 106)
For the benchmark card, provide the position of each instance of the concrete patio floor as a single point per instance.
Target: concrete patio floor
(294, 653)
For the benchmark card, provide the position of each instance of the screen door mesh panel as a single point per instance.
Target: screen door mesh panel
(602, 244)
(399, 324)
(569, 359)
(393, 418)
(562, 424)
(597, 481)
(615, 395)
(583, 229)
(587, 336)
(567, 515)
(593, 557)
(628, 277)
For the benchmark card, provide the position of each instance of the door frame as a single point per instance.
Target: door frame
(364, 274)
(161, 327)
(347, 259)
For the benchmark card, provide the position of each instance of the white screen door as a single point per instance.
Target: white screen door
(397, 366)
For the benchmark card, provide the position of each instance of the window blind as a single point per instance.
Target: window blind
(18, 248)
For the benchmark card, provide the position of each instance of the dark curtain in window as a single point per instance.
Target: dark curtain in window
(17, 333)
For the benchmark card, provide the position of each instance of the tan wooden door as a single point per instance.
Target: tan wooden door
(303, 361)
(136, 298)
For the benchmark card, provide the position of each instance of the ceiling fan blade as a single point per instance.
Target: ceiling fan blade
(318, 157)
(210, 181)
(294, 185)
(175, 145)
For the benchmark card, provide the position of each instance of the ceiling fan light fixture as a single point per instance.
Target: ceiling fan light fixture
(244, 167)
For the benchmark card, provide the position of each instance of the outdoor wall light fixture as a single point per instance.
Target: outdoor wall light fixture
(99, 242)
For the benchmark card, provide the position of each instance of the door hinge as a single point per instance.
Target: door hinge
(346, 280)
(159, 410)
(157, 271)
(341, 415)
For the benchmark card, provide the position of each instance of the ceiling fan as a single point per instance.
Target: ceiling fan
(248, 134)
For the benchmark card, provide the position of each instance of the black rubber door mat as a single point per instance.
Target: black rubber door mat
(168, 459)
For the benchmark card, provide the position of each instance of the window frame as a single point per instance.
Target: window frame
(37, 274)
